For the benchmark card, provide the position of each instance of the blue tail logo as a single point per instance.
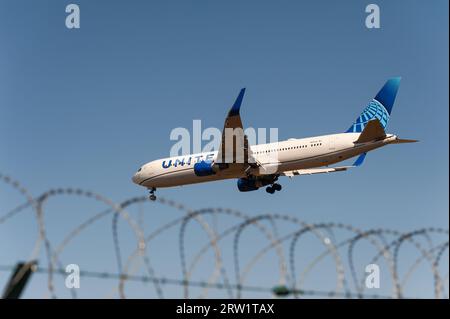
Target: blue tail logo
(380, 107)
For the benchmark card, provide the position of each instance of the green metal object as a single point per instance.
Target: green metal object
(281, 291)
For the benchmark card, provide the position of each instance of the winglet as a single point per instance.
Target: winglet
(237, 104)
(360, 159)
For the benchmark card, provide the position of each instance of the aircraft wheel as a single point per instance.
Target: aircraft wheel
(277, 187)
(270, 190)
(152, 195)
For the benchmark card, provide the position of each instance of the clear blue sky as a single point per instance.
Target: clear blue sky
(87, 107)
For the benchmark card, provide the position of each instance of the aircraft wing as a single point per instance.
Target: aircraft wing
(311, 171)
(234, 148)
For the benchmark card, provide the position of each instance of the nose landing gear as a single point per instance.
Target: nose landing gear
(152, 195)
(273, 188)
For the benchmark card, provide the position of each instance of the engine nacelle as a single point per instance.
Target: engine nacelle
(252, 184)
(204, 168)
(246, 185)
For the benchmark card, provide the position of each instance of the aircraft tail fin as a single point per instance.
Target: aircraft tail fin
(380, 107)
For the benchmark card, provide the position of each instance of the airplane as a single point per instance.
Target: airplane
(263, 164)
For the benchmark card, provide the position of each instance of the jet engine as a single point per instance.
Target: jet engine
(253, 183)
(204, 168)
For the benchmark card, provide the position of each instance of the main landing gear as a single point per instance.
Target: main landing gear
(273, 188)
(152, 195)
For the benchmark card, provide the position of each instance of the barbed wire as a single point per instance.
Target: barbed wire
(202, 284)
(387, 243)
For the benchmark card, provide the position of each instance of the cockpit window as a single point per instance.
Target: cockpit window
(140, 168)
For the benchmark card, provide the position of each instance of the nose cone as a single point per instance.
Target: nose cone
(136, 178)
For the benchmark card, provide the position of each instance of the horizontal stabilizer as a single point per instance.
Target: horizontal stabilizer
(373, 131)
(360, 159)
(402, 140)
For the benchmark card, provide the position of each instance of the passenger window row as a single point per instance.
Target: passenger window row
(287, 148)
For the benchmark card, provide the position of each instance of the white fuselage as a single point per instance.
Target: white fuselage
(292, 154)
